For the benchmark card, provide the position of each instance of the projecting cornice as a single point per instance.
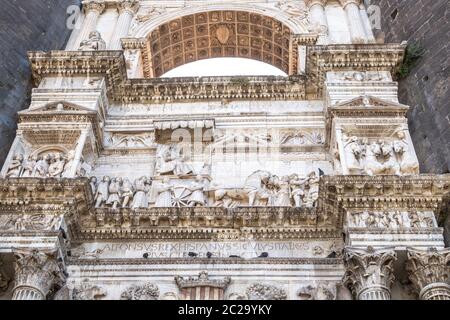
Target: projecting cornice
(320, 59)
(355, 57)
(74, 199)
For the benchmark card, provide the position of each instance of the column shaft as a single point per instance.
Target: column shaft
(121, 29)
(89, 25)
(319, 20)
(93, 9)
(355, 23)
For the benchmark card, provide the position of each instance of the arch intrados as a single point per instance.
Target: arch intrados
(216, 34)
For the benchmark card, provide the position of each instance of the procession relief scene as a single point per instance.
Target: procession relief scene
(396, 219)
(51, 164)
(178, 181)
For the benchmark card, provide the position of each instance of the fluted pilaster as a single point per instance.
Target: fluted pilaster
(127, 10)
(355, 22)
(369, 273)
(429, 273)
(93, 9)
(318, 19)
(36, 273)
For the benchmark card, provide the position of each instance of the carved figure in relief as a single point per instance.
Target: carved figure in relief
(29, 167)
(93, 184)
(408, 165)
(127, 192)
(140, 199)
(284, 193)
(170, 160)
(257, 186)
(396, 219)
(390, 164)
(298, 189)
(16, 167)
(102, 194)
(93, 43)
(197, 197)
(114, 193)
(313, 192)
(164, 194)
(56, 167)
(293, 8)
(415, 219)
(42, 166)
(373, 166)
(371, 221)
(353, 154)
(69, 164)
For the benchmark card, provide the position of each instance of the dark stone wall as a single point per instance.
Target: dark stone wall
(426, 88)
(25, 25)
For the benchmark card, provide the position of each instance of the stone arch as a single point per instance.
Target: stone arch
(297, 25)
(50, 149)
(177, 38)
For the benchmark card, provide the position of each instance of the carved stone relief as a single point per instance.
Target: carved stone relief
(30, 222)
(88, 291)
(260, 291)
(129, 140)
(93, 43)
(392, 219)
(379, 156)
(51, 164)
(147, 291)
(318, 291)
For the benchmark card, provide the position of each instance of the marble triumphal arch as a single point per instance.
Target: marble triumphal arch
(123, 184)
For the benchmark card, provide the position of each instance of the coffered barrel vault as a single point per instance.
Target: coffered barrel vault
(122, 184)
(219, 34)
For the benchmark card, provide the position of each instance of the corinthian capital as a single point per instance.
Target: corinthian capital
(36, 273)
(94, 5)
(429, 272)
(130, 6)
(344, 3)
(310, 3)
(369, 273)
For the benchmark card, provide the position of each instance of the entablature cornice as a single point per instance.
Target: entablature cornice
(354, 57)
(320, 59)
(73, 197)
(385, 192)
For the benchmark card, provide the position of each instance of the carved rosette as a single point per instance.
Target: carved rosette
(369, 273)
(429, 273)
(201, 287)
(36, 273)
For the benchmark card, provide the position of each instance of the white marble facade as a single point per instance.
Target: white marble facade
(145, 186)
